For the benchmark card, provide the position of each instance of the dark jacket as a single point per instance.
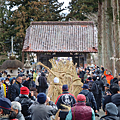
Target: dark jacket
(116, 100)
(106, 100)
(20, 116)
(15, 90)
(42, 82)
(106, 117)
(42, 111)
(65, 98)
(91, 98)
(25, 102)
(104, 80)
(94, 89)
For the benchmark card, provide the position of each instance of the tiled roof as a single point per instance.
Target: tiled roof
(75, 36)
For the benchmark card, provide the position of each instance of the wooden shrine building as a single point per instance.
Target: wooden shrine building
(61, 39)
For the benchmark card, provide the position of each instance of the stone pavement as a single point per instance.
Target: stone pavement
(101, 113)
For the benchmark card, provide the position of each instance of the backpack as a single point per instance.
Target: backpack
(88, 103)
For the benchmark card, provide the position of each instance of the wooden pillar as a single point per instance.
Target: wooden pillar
(23, 57)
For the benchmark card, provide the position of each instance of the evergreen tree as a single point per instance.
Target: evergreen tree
(31, 10)
(80, 8)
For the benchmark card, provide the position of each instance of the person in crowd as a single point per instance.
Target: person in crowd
(8, 76)
(80, 111)
(6, 85)
(41, 111)
(25, 101)
(29, 83)
(109, 77)
(34, 91)
(90, 100)
(111, 112)
(103, 78)
(9, 88)
(36, 81)
(113, 90)
(1, 89)
(116, 99)
(85, 75)
(95, 90)
(5, 110)
(42, 83)
(4, 74)
(81, 74)
(119, 84)
(66, 99)
(16, 107)
(15, 88)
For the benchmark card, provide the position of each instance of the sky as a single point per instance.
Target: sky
(66, 3)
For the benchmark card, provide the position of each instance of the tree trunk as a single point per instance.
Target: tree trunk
(116, 33)
(99, 33)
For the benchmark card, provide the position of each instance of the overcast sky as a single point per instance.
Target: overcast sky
(66, 3)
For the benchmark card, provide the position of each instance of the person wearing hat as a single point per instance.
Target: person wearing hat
(15, 88)
(40, 110)
(111, 112)
(1, 89)
(25, 101)
(90, 100)
(66, 99)
(5, 110)
(80, 111)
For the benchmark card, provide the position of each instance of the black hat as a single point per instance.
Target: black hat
(5, 103)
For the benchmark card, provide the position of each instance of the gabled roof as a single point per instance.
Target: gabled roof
(53, 36)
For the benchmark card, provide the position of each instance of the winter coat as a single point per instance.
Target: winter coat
(25, 102)
(91, 98)
(65, 98)
(20, 116)
(94, 89)
(42, 82)
(104, 80)
(15, 90)
(116, 100)
(42, 111)
(106, 117)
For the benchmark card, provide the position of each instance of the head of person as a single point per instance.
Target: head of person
(19, 78)
(111, 109)
(8, 76)
(81, 98)
(85, 87)
(94, 78)
(24, 91)
(106, 86)
(16, 107)
(87, 71)
(7, 80)
(89, 78)
(119, 83)
(5, 106)
(65, 87)
(109, 73)
(114, 88)
(41, 98)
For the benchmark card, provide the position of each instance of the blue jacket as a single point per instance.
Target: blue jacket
(91, 98)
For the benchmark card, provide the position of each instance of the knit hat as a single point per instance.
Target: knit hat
(111, 109)
(41, 98)
(24, 90)
(81, 97)
(65, 87)
(5, 103)
(56, 80)
(85, 86)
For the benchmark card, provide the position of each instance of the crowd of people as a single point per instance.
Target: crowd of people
(25, 97)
